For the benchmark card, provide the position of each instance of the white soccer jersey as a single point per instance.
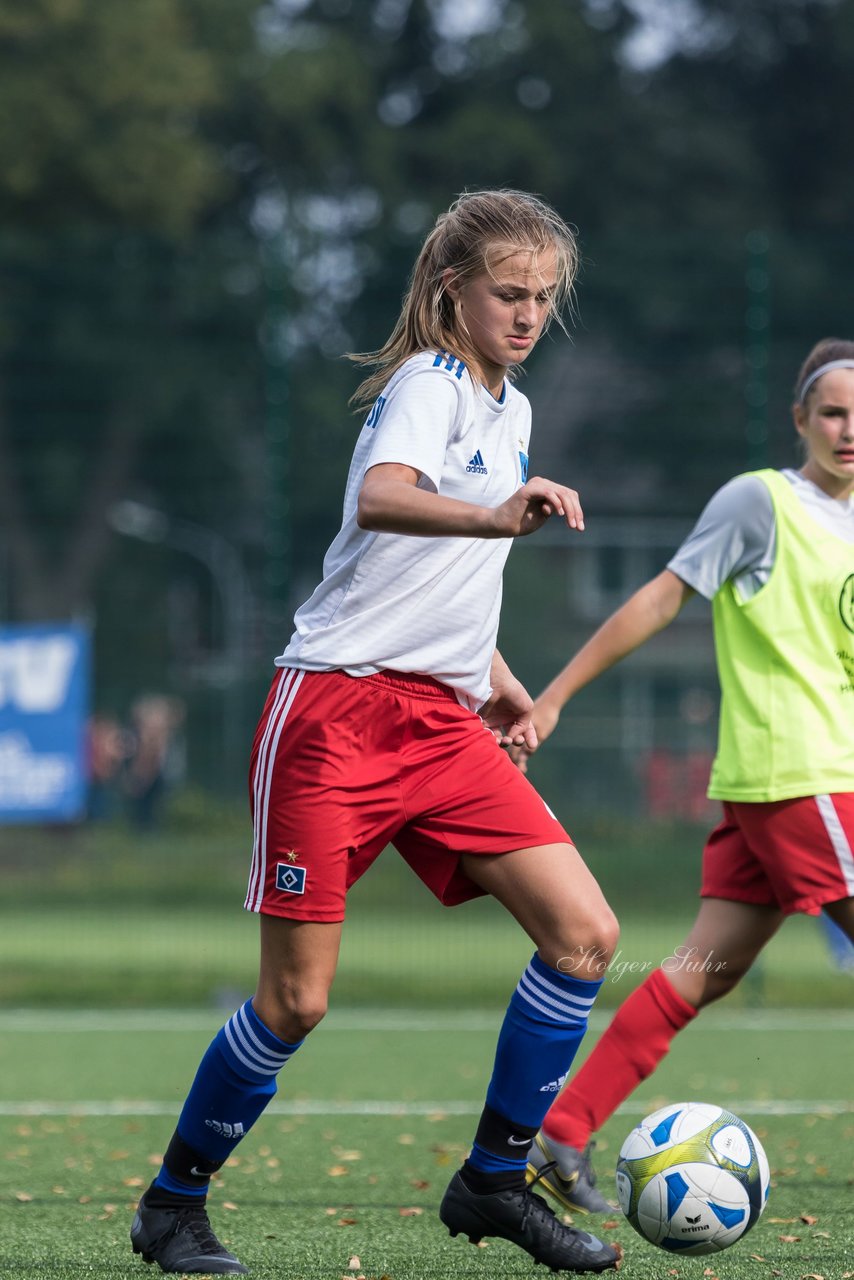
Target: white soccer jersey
(421, 604)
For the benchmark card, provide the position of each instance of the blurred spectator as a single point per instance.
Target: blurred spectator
(107, 749)
(156, 761)
(675, 784)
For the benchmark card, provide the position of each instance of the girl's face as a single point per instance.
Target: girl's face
(504, 309)
(826, 425)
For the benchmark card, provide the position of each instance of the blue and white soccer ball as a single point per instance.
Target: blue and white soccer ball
(692, 1178)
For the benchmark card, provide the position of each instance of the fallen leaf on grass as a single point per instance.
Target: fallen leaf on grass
(354, 1264)
(410, 1213)
(406, 1139)
(757, 1257)
(808, 1218)
(347, 1222)
(781, 1221)
(419, 1184)
(229, 1204)
(338, 1171)
(133, 1182)
(347, 1155)
(610, 1225)
(789, 1239)
(23, 1197)
(812, 1275)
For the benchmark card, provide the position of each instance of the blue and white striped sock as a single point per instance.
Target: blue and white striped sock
(234, 1083)
(543, 1027)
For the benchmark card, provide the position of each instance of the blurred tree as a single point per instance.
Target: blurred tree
(101, 105)
(187, 183)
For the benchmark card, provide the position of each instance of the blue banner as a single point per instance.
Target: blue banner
(44, 706)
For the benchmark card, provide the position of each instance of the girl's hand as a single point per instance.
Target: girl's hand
(532, 505)
(544, 718)
(507, 713)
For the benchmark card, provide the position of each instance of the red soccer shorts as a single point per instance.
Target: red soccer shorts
(796, 855)
(343, 766)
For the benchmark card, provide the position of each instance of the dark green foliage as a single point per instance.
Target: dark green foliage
(205, 203)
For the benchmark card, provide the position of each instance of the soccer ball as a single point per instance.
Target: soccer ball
(692, 1178)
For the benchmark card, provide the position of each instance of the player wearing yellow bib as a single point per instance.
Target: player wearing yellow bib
(774, 553)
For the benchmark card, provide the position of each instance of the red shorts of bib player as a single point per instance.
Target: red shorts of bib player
(795, 855)
(342, 766)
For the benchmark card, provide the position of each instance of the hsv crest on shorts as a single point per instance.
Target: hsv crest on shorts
(290, 879)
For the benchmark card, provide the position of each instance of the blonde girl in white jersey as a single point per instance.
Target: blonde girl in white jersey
(383, 726)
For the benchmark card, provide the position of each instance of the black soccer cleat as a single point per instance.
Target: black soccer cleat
(567, 1175)
(525, 1219)
(181, 1241)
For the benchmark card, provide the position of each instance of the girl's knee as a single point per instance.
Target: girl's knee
(587, 948)
(291, 1009)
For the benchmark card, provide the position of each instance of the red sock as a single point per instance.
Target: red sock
(634, 1043)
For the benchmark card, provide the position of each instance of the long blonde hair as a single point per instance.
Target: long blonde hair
(461, 240)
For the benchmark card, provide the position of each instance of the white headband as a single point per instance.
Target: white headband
(816, 374)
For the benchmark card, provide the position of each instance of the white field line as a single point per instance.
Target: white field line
(90, 1021)
(433, 1110)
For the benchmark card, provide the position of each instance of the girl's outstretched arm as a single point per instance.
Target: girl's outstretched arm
(390, 502)
(647, 612)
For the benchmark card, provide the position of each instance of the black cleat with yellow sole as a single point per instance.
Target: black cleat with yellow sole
(523, 1218)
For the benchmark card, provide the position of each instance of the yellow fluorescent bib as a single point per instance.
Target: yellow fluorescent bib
(786, 666)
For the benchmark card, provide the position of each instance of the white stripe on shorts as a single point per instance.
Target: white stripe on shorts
(287, 691)
(838, 839)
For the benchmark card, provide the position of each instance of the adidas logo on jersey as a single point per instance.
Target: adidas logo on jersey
(475, 465)
(554, 1086)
